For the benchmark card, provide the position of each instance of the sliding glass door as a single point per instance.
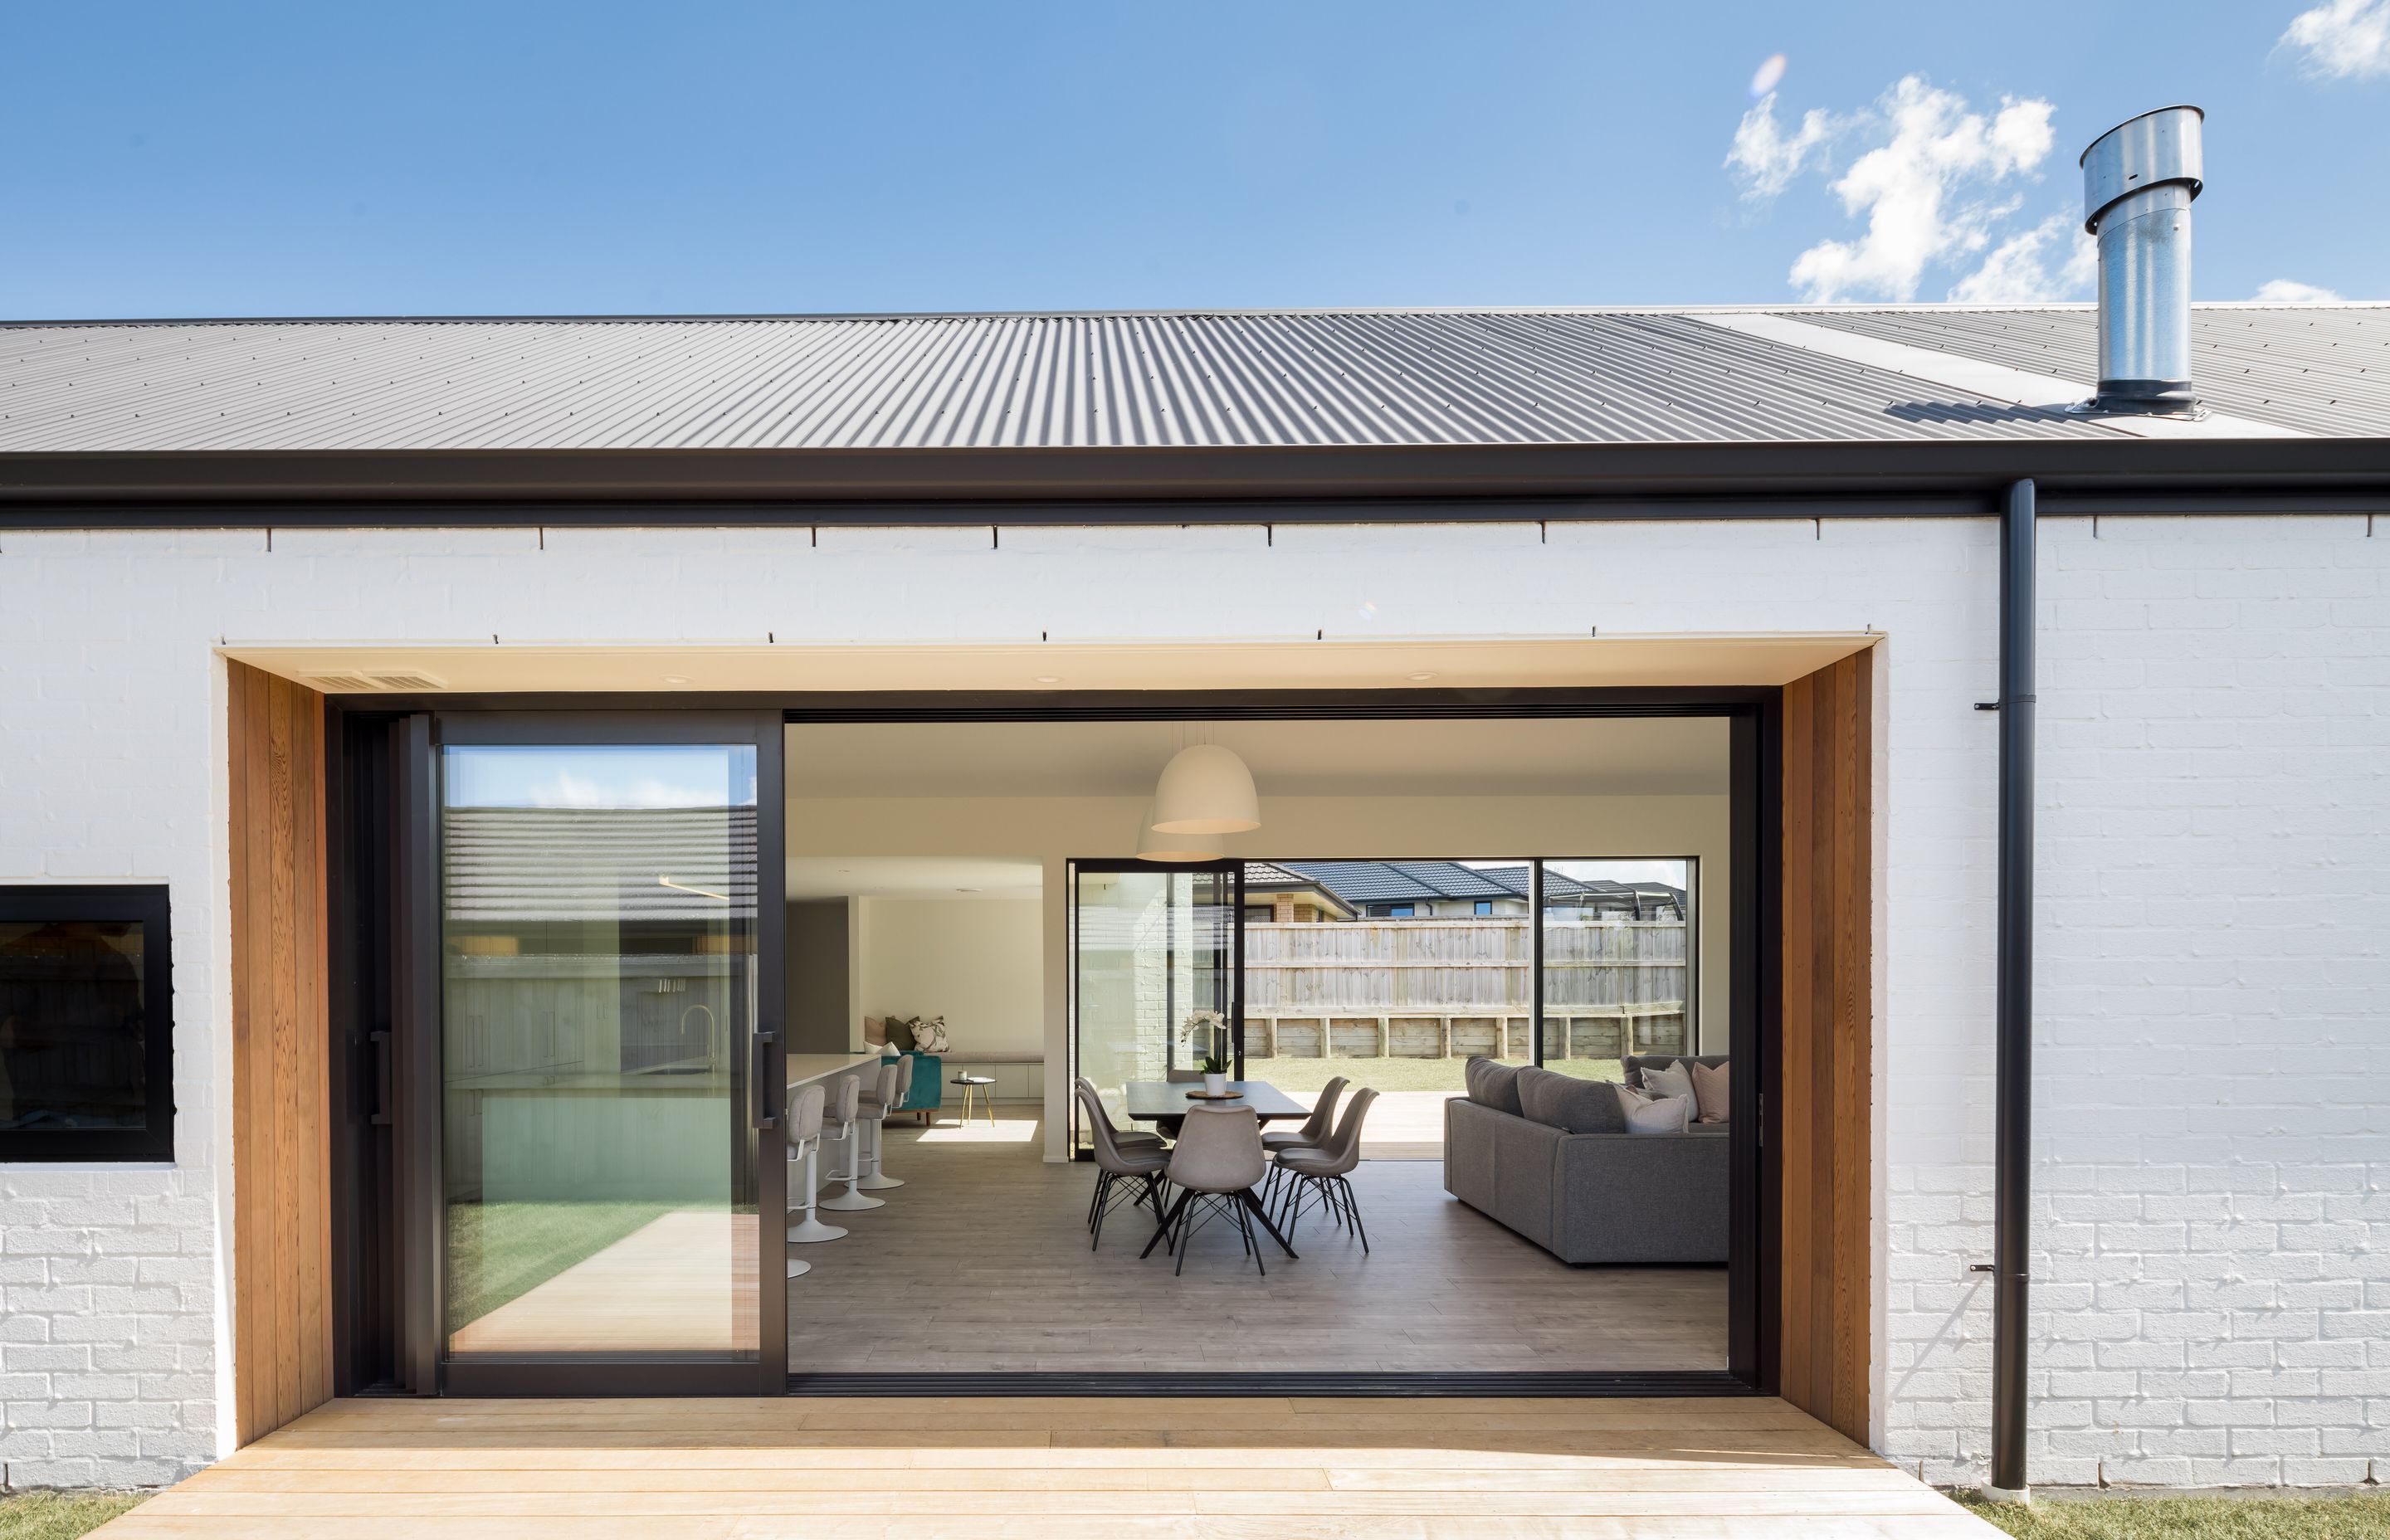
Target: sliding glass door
(607, 1052)
(1156, 956)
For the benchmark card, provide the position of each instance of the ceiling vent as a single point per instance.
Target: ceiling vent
(361, 680)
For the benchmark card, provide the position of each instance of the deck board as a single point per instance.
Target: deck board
(1053, 1468)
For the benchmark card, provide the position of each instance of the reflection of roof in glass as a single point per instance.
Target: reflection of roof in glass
(521, 865)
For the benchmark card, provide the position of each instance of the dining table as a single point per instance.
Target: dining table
(1153, 1100)
(1158, 1101)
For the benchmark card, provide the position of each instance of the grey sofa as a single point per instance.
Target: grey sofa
(1555, 1163)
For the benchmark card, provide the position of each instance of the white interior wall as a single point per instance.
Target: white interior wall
(979, 962)
(1052, 830)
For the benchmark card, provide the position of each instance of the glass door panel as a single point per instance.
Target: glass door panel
(599, 1006)
(1155, 967)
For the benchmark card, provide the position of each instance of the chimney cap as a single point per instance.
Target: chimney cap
(2147, 149)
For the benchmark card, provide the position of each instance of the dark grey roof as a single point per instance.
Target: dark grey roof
(2321, 368)
(1377, 378)
(1400, 881)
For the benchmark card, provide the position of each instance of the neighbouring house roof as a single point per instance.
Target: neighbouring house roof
(1361, 882)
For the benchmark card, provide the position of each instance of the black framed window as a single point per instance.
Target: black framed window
(86, 1024)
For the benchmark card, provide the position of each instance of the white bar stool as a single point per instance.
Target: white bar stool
(804, 1177)
(895, 1081)
(846, 1110)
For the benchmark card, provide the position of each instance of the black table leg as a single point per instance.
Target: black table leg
(1248, 1200)
(1166, 1220)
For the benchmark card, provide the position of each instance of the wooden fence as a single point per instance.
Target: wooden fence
(1449, 988)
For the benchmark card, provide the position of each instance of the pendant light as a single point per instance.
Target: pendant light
(1154, 845)
(1206, 789)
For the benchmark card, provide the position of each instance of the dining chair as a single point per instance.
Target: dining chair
(1215, 1165)
(1133, 1174)
(1313, 1132)
(1127, 1138)
(1319, 1175)
(888, 1094)
(805, 1104)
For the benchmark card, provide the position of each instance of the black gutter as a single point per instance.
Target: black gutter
(2013, 1112)
(1255, 484)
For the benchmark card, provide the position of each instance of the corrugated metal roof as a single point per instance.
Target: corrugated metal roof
(2323, 368)
(1324, 377)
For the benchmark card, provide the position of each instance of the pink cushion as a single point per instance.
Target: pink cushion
(1710, 1092)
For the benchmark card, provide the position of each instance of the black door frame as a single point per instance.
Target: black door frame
(1753, 1012)
(408, 1100)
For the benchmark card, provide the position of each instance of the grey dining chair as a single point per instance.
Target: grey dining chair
(1215, 1165)
(1312, 1135)
(1127, 1138)
(1319, 1175)
(1120, 1172)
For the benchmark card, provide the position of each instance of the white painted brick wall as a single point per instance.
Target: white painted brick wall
(2212, 1094)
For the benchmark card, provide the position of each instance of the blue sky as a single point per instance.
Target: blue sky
(595, 157)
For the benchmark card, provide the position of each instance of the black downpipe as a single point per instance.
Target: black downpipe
(2013, 1110)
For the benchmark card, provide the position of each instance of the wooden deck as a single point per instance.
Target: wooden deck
(1258, 1469)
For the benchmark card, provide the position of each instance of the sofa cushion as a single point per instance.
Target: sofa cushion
(1667, 1080)
(1493, 1083)
(1711, 1093)
(1654, 1114)
(1569, 1104)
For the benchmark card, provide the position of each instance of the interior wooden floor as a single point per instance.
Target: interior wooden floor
(980, 1261)
(1052, 1470)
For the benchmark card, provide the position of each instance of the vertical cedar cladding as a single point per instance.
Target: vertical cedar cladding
(1822, 1131)
(282, 1325)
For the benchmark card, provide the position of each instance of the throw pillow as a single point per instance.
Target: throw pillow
(1493, 1083)
(875, 1031)
(1655, 1115)
(930, 1036)
(1710, 1092)
(1569, 1104)
(1661, 1081)
(900, 1034)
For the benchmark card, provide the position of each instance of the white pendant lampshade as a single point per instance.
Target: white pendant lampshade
(1154, 845)
(1206, 789)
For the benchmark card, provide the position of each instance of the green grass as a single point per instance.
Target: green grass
(61, 1515)
(1400, 1074)
(2191, 1518)
(500, 1251)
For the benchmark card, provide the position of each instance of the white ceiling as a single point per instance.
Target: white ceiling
(1508, 757)
(955, 877)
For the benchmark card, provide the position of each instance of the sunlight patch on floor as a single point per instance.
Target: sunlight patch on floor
(1006, 1131)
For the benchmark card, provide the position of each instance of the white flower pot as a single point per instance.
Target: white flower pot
(1216, 1084)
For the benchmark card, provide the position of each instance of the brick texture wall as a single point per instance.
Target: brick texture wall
(2214, 1108)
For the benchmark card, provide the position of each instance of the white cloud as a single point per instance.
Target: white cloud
(2289, 291)
(1931, 190)
(1768, 157)
(2017, 272)
(2343, 39)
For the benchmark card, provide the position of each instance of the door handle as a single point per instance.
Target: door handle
(380, 1116)
(765, 1116)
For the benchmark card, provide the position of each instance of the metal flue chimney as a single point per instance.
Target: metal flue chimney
(2138, 179)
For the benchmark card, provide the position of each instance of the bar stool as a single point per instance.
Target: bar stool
(804, 1175)
(895, 1079)
(846, 1110)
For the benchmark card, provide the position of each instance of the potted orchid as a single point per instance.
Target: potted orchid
(1207, 1033)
